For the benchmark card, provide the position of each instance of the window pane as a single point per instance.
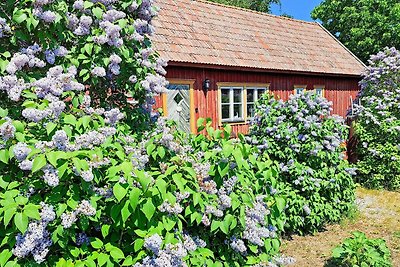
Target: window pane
(225, 112)
(237, 95)
(299, 90)
(250, 95)
(173, 86)
(250, 110)
(225, 95)
(319, 91)
(237, 111)
(260, 93)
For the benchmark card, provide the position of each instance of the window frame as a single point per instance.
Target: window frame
(232, 104)
(256, 90)
(244, 86)
(296, 87)
(322, 87)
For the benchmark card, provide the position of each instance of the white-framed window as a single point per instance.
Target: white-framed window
(232, 104)
(298, 89)
(319, 90)
(253, 95)
(237, 102)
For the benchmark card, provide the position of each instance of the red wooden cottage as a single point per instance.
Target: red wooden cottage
(222, 58)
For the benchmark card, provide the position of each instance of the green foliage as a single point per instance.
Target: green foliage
(258, 5)
(363, 26)
(84, 52)
(84, 184)
(308, 144)
(377, 124)
(360, 251)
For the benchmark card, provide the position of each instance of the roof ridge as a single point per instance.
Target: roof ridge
(254, 11)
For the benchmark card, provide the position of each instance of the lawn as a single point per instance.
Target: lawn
(378, 216)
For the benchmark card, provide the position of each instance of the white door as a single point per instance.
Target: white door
(178, 105)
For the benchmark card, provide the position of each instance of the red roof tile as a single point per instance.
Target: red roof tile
(197, 31)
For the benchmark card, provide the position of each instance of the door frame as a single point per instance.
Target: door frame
(189, 82)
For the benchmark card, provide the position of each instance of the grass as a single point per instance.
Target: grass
(378, 216)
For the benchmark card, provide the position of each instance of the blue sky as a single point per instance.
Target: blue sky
(299, 9)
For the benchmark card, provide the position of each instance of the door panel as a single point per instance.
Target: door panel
(178, 105)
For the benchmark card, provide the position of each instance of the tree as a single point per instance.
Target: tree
(364, 26)
(258, 5)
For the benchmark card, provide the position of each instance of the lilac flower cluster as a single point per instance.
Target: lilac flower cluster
(175, 208)
(256, 229)
(171, 209)
(113, 116)
(21, 151)
(82, 239)
(47, 16)
(171, 255)
(50, 88)
(4, 27)
(155, 83)
(84, 208)
(37, 239)
(7, 129)
(93, 138)
(114, 67)
(52, 54)
(50, 176)
(139, 157)
(238, 245)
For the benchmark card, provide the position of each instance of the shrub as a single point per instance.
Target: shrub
(107, 40)
(377, 125)
(308, 143)
(81, 185)
(362, 251)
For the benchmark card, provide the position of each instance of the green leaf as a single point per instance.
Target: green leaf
(38, 163)
(161, 151)
(50, 127)
(21, 221)
(97, 243)
(148, 209)
(102, 259)
(134, 197)
(98, 12)
(280, 203)
(4, 156)
(125, 212)
(19, 126)
(119, 191)
(3, 112)
(32, 211)
(88, 48)
(19, 16)
(5, 255)
(70, 119)
(117, 253)
(105, 229)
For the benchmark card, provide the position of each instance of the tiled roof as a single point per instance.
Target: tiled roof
(197, 31)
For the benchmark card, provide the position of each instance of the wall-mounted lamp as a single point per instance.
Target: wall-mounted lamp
(206, 85)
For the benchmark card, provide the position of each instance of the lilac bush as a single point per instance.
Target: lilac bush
(82, 184)
(308, 144)
(377, 124)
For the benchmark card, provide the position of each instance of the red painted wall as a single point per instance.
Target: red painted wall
(337, 89)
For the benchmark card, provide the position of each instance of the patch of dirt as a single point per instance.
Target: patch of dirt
(379, 217)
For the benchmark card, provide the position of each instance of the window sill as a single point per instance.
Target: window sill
(235, 122)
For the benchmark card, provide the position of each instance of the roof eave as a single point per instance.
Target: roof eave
(251, 69)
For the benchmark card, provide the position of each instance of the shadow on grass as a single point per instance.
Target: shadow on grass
(333, 263)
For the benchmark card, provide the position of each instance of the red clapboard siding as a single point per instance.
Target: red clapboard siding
(338, 89)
